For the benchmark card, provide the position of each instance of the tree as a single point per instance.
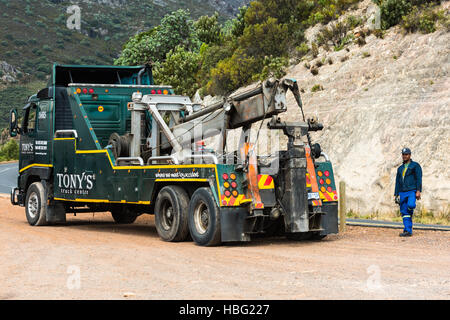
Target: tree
(208, 29)
(176, 29)
(179, 70)
(266, 39)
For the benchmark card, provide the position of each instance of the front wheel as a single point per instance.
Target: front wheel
(35, 205)
(204, 218)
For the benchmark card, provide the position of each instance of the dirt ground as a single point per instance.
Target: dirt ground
(93, 258)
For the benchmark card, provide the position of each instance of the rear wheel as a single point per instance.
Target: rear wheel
(171, 214)
(123, 215)
(204, 218)
(35, 205)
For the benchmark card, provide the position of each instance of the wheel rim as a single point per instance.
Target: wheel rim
(201, 217)
(167, 215)
(33, 205)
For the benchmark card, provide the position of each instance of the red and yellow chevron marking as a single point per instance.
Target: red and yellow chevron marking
(316, 203)
(328, 196)
(234, 201)
(265, 182)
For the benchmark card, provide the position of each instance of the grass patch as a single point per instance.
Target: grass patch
(421, 215)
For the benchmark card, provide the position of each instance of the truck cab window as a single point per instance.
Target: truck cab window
(30, 119)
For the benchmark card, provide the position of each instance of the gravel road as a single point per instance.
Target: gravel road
(92, 258)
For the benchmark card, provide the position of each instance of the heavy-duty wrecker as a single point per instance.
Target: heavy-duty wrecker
(107, 139)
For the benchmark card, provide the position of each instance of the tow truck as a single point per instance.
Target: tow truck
(108, 139)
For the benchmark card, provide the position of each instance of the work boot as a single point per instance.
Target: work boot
(405, 234)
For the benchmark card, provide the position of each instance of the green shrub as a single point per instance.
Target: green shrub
(392, 11)
(274, 67)
(9, 151)
(336, 34)
(302, 49)
(422, 19)
(317, 87)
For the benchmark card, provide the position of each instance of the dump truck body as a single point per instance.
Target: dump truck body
(108, 139)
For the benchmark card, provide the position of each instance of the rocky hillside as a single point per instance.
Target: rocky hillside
(376, 99)
(34, 33)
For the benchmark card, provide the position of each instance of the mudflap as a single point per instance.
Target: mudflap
(54, 211)
(329, 222)
(234, 224)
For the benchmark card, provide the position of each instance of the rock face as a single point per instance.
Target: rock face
(8, 73)
(390, 93)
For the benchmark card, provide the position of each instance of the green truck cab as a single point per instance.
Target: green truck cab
(101, 139)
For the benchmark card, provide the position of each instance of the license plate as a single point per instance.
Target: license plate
(313, 196)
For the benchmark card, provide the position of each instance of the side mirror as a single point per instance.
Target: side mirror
(13, 128)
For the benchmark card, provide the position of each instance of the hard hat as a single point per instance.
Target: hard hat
(406, 151)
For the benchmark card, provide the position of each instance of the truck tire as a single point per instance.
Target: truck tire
(204, 218)
(35, 205)
(123, 215)
(171, 215)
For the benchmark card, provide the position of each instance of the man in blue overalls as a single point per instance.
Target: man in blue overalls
(408, 186)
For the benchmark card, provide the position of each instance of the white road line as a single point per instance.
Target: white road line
(6, 170)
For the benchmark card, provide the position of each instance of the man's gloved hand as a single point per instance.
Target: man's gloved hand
(397, 199)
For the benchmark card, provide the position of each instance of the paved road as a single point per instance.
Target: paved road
(396, 225)
(8, 177)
